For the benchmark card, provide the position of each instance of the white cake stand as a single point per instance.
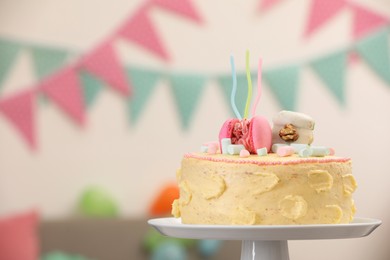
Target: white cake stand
(265, 242)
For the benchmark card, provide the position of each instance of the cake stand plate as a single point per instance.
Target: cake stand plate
(262, 242)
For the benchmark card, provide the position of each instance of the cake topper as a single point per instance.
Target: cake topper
(292, 132)
(247, 134)
(292, 127)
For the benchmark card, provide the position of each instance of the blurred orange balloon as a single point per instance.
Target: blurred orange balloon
(162, 205)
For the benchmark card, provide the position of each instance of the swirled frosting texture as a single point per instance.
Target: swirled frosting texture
(268, 190)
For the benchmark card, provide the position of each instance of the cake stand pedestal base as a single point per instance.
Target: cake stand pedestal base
(263, 242)
(264, 250)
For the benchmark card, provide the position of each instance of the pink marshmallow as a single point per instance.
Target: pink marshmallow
(213, 148)
(244, 153)
(285, 151)
(211, 143)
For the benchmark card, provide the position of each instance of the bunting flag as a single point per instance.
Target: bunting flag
(187, 90)
(267, 4)
(375, 52)
(104, 64)
(226, 84)
(144, 82)
(64, 89)
(284, 83)
(331, 70)
(47, 60)
(182, 7)
(366, 21)
(8, 52)
(91, 87)
(139, 29)
(19, 109)
(320, 12)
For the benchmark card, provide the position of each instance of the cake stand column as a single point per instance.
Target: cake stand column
(264, 250)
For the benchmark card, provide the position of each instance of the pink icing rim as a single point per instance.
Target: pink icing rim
(261, 163)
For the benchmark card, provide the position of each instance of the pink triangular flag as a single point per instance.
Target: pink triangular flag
(103, 63)
(20, 111)
(267, 4)
(182, 7)
(365, 21)
(320, 12)
(65, 90)
(140, 30)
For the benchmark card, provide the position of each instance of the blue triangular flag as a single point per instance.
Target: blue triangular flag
(143, 82)
(375, 51)
(8, 53)
(331, 70)
(47, 60)
(187, 89)
(226, 83)
(91, 87)
(284, 84)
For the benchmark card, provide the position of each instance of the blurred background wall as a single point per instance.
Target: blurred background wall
(133, 160)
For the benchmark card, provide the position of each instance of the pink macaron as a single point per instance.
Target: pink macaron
(254, 134)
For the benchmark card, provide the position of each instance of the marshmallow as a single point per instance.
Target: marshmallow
(213, 149)
(262, 151)
(244, 153)
(204, 149)
(210, 147)
(305, 152)
(225, 142)
(275, 147)
(319, 151)
(235, 149)
(285, 151)
(211, 143)
(294, 128)
(299, 147)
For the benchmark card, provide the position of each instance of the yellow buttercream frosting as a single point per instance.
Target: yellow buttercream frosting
(349, 184)
(320, 180)
(266, 190)
(293, 207)
(243, 216)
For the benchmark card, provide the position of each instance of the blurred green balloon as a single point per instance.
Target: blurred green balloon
(62, 256)
(96, 202)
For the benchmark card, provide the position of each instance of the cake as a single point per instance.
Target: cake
(256, 174)
(279, 178)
